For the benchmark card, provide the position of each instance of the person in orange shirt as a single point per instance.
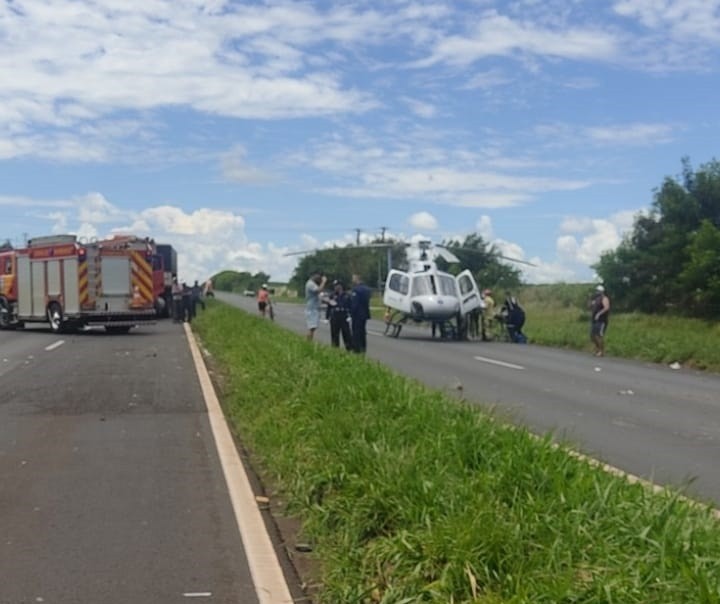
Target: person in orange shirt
(263, 299)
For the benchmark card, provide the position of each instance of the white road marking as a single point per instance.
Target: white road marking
(268, 578)
(55, 345)
(500, 363)
(198, 594)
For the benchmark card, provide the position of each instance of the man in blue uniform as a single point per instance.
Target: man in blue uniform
(338, 313)
(360, 313)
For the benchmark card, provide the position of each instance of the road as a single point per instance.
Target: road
(110, 486)
(648, 420)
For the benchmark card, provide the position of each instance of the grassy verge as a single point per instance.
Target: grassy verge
(557, 316)
(411, 497)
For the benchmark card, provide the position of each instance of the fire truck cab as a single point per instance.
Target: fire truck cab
(71, 284)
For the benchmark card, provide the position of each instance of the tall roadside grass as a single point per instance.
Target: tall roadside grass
(411, 497)
(557, 315)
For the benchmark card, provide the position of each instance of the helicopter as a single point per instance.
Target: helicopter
(423, 292)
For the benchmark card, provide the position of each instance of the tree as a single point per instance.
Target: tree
(342, 262)
(483, 260)
(234, 281)
(663, 264)
(6, 245)
(700, 277)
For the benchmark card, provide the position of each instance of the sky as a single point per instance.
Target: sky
(241, 131)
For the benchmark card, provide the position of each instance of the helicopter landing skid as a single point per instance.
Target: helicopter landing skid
(394, 325)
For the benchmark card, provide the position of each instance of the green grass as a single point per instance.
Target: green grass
(408, 496)
(557, 316)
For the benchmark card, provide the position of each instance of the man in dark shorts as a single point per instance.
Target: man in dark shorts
(599, 318)
(263, 299)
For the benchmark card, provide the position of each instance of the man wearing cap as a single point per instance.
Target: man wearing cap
(599, 317)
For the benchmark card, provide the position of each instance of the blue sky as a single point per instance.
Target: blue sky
(239, 131)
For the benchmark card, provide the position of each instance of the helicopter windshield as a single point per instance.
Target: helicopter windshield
(423, 285)
(447, 286)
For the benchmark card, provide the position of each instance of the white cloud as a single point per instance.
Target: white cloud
(93, 208)
(487, 79)
(236, 169)
(484, 227)
(632, 134)
(421, 108)
(498, 35)
(207, 240)
(217, 224)
(409, 169)
(586, 239)
(19, 202)
(684, 19)
(248, 61)
(423, 221)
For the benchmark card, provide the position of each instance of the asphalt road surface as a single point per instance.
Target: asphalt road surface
(648, 420)
(110, 486)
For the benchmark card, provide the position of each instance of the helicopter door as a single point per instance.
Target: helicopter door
(397, 291)
(469, 292)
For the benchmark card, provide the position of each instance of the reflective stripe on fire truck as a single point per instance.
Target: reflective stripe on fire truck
(141, 278)
(83, 283)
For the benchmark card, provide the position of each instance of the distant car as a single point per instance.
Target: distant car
(249, 293)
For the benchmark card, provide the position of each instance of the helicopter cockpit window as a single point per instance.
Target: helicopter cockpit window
(447, 286)
(399, 283)
(466, 285)
(422, 286)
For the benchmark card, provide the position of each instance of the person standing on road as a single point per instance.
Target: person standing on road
(313, 289)
(197, 298)
(187, 303)
(208, 289)
(360, 313)
(599, 318)
(177, 301)
(488, 314)
(338, 312)
(263, 300)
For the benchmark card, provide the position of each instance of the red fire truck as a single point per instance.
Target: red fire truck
(71, 284)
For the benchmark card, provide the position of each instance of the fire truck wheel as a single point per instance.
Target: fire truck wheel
(4, 314)
(55, 317)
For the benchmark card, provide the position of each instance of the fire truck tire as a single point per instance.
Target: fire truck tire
(5, 320)
(55, 317)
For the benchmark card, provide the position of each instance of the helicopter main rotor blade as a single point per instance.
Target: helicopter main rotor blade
(446, 254)
(511, 259)
(301, 253)
(367, 246)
